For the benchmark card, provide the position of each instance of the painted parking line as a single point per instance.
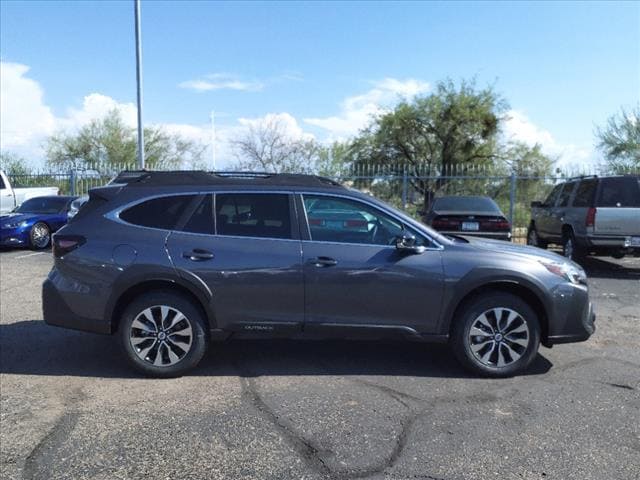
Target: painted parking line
(29, 255)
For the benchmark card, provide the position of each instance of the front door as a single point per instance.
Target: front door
(354, 275)
(250, 260)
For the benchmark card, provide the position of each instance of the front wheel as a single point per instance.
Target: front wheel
(163, 334)
(39, 236)
(496, 335)
(533, 239)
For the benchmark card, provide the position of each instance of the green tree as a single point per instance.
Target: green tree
(14, 165)
(108, 143)
(619, 141)
(452, 129)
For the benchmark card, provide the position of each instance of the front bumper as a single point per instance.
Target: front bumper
(573, 318)
(14, 237)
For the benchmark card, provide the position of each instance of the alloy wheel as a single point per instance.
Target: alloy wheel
(568, 247)
(499, 337)
(40, 235)
(533, 238)
(161, 335)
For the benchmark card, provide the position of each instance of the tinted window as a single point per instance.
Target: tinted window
(348, 221)
(563, 200)
(162, 212)
(551, 199)
(253, 215)
(584, 193)
(201, 220)
(1, 183)
(45, 205)
(465, 204)
(619, 192)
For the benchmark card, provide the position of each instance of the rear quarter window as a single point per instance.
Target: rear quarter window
(619, 192)
(162, 212)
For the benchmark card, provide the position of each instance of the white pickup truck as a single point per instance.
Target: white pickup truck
(12, 197)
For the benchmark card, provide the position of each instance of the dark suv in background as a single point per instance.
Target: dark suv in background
(589, 215)
(169, 261)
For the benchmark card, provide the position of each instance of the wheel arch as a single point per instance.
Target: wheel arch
(527, 293)
(124, 298)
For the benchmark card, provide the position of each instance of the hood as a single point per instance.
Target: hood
(525, 251)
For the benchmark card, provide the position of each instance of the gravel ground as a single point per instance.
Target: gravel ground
(71, 408)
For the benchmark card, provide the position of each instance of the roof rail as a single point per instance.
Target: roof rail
(580, 177)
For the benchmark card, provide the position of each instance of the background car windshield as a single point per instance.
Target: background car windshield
(466, 204)
(43, 205)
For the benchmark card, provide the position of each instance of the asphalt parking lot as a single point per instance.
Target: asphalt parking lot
(72, 409)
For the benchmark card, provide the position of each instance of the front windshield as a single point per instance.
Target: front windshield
(43, 205)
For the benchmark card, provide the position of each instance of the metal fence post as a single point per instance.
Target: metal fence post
(512, 198)
(72, 182)
(404, 187)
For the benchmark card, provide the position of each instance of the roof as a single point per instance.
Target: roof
(144, 178)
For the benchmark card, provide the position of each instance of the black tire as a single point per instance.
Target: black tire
(570, 249)
(168, 344)
(463, 342)
(39, 236)
(533, 238)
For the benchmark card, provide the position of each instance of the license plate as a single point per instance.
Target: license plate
(470, 226)
(633, 241)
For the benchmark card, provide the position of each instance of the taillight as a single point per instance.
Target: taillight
(63, 244)
(590, 221)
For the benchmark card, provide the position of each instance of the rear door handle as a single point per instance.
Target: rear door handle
(198, 255)
(323, 262)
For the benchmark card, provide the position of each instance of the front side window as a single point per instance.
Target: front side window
(265, 215)
(551, 199)
(334, 219)
(161, 212)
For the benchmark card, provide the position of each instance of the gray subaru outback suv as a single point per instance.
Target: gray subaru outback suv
(589, 215)
(171, 261)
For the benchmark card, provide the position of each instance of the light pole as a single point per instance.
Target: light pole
(213, 138)
(136, 9)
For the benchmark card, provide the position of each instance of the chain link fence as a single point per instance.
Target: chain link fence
(407, 187)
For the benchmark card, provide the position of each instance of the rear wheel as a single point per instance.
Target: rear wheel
(570, 249)
(496, 335)
(39, 236)
(534, 239)
(163, 334)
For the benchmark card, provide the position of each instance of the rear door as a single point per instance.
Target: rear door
(618, 206)
(248, 254)
(354, 275)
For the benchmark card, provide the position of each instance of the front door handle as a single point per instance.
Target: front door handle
(198, 255)
(323, 262)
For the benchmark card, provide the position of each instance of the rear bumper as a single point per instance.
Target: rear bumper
(493, 235)
(610, 241)
(56, 312)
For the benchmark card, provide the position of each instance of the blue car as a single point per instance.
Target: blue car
(32, 223)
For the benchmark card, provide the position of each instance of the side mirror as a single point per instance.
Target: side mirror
(407, 243)
(536, 204)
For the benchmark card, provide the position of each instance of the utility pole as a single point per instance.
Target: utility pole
(136, 9)
(213, 138)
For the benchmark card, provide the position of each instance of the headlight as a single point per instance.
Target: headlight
(23, 223)
(567, 271)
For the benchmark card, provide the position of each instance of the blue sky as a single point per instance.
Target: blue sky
(323, 67)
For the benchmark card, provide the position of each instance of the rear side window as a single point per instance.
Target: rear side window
(201, 220)
(619, 192)
(563, 200)
(584, 193)
(162, 212)
(262, 215)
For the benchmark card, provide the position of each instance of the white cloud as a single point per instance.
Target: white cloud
(25, 120)
(519, 127)
(96, 105)
(357, 111)
(222, 81)
(285, 122)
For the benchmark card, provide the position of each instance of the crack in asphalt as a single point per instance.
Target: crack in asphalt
(46, 449)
